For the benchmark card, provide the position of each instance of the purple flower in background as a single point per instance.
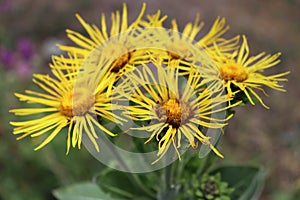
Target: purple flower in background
(5, 5)
(6, 56)
(20, 59)
(25, 47)
(23, 68)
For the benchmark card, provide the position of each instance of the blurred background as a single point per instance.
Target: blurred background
(29, 31)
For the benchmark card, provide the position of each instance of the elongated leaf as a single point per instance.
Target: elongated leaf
(248, 181)
(80, 191)
(124, 185)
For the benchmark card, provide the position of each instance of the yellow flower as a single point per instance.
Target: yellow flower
(244, 73)
(98, 36)
(213, 38)
(174, 107)
(184, 47)
(66, 101)
(120, 42)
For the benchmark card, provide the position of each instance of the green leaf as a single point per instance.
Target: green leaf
(248, 181)
(80, 191)
(125, 185)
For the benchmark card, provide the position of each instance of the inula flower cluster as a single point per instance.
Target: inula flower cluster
(173, 82)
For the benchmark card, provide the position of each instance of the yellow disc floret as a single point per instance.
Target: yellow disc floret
(233, 71)
(77, 102)
(173, 112)
(122, 57)
(179, 50)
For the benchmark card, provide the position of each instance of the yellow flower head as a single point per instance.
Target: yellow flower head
(176, 110)
(98, 36)
(190, 32)
(245, 74)
(184, 47)
(66, 101)
(120, 40)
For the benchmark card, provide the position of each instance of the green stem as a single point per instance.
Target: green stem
(133, 177)
(168, 176)
(206, 163)
(139, 183)
(168, 191)
(180, 167)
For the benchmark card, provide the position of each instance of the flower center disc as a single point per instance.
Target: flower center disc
(179, 50)
(77, 103)
(233, 72)
(122, 60)
(173, 112)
